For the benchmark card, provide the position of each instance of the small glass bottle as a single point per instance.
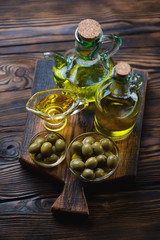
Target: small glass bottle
(117, 103)
(83, 68)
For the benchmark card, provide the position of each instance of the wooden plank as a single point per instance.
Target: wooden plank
(26, 197)
(70, 10)
(107, 211)
(72, 198)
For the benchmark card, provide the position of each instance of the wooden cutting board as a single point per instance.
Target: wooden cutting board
(72, 198)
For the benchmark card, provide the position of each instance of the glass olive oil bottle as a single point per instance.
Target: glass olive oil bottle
(118, 101)
(85, 67)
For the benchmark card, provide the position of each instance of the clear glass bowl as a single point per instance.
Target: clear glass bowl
(61, 154)
(108, 171)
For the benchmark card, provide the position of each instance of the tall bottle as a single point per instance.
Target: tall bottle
(83, 68)
(118, 101)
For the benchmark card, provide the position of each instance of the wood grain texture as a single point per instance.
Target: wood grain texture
(72, 198)
(118, 211)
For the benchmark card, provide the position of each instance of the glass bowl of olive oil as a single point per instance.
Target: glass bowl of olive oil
(92, 157)
(54, 106)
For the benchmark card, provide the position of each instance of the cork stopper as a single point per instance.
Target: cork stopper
(122, 69)
(89, 30)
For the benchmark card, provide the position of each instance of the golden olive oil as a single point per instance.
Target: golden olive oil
(54, 104)
(83, 68)
(82, 78)
(116, 116)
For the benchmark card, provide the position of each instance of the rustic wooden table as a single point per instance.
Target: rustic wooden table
(122, 211)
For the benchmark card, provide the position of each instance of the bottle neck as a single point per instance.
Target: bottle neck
(87, 50)
(120, 89)
(121, 85)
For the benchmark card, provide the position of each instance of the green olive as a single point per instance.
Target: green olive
(77, 165)
(91, 163)
(99, 172)
(106, 144)
(112, 161)
(40, 140)
(51, 159)
(38, 157)
(88, 174)
(60, 145)
(52, 138)
(102, 159)
(76, 156)
(107, 154)
(53, 149)
(46, 149)
(77, 147)
(98, 149)
(34, 147)
(87, 150)
(89, 140)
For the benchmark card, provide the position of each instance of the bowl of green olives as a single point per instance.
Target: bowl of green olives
(92, 157)
(47, 149)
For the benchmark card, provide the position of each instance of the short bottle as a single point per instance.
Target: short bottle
(117, 103)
